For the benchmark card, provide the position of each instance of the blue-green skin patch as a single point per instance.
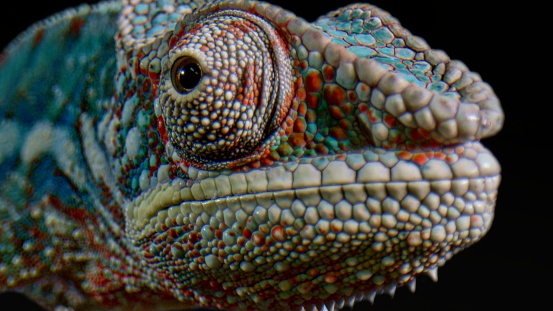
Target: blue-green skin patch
(380, 44)
(45, 210)
(42, 80)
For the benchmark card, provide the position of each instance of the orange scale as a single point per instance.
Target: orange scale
(390, 120)
(258, 239)
(314, 81)
(404, 155)
(321, 149)
(285, 149)
(334, 95)
(348, 108)
(300, 94)
(330, 278)
(300, 125)
(302, 108)
(311, 116)
(173, 41)
(420, 159)
(363, 108)
(338, 133)
(193, 237)
(329, 73)
(289, 126)
(345, 124)
(266, 161)
(336, 112)
(313, 100)
(278, 233)
(289, 129)
(439, 155)
(297, 140)
(173, 233)
(296, 63)
(352, 95)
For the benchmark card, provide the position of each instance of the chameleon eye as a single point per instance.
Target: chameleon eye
(223, 105)
(186, 73)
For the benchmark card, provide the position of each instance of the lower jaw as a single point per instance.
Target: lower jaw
(348, 239)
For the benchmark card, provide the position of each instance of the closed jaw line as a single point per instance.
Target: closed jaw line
(373, 177)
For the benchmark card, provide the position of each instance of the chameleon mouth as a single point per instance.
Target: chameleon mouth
(453, 182)
(388, 215)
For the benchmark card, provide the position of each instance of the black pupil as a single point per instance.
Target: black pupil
(186, 75)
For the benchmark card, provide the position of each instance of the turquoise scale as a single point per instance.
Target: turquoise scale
(368, 38)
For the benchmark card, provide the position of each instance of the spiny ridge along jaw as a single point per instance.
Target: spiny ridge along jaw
(226, 87)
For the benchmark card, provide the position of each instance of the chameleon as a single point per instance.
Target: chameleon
(164, 155)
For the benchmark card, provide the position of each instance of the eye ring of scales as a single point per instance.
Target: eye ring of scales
(312, 166)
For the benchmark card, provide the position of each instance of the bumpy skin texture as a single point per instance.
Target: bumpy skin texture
(230, 154)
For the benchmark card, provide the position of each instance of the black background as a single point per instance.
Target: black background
(507, 45)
